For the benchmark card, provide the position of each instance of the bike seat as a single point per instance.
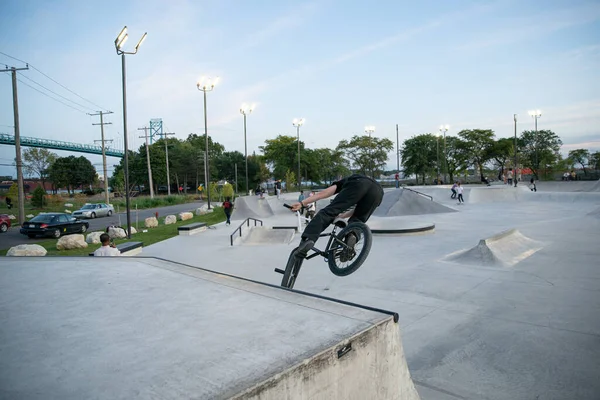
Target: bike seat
(339, 222)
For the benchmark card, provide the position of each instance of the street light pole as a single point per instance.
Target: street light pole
(298, 123)
(244, 110)
(206, 85)
(516, 175)
(369, 130)
(535, 114)
(444, 129)
(119, 42)
(437, 151)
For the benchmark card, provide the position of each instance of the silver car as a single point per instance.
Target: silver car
(94, 210)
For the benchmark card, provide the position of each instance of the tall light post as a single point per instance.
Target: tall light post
(437, 152)
(444, 129)
(298, 122)
(369, 130)
(206, 85)
(119, 42)
(245, 110)
(516, 175)
(535, 114)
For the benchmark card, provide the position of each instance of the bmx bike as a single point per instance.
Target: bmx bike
(342, 259)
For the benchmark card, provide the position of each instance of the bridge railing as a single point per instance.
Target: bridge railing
(59, 145)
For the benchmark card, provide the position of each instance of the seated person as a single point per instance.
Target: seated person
(108, 249)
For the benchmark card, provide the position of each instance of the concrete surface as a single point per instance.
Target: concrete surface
(406, 202)
(118, 328)
(470, 331)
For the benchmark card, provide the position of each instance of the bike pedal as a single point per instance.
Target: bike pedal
(280, 271)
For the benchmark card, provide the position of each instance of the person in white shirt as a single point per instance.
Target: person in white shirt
(459, 189)
(108, 249)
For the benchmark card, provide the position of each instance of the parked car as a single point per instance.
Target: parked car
(53, 225)
(94, 210)
(4, 222)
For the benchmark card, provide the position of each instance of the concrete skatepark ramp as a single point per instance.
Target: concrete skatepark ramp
(505, 249)
(406, 202)
(251, 207)
(263, 235)
(140, 328)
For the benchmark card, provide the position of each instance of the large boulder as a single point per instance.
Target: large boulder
(170, 219)
(12, 217)
(151, 222)
(68, 205)
(133, 231)
(116, 233)
(68, 211)
(93, 237)
(184, 216)
(23, 250)
(203, 210)
(30, 215)
(70, 242)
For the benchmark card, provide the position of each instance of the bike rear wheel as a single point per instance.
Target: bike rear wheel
(292, 269)
(357, 255)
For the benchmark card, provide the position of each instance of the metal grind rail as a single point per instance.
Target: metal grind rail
(239, 228)
(417, 192)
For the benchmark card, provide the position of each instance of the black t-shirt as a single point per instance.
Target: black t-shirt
(340, 184)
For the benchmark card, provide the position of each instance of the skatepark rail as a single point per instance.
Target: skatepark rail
(239, 228)
(417, 192)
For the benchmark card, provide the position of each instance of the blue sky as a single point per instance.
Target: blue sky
(339, 64)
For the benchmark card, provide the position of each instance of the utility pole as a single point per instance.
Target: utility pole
(102, 123)
(236, 186)
(397, 151)
(167, 155)
(21, 196)
(145, 129)
(515, 174)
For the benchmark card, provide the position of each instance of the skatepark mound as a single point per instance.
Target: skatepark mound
(503, 250)
(251, 207)
(263, 235)
(402, 202)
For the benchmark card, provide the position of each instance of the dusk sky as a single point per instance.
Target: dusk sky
(341, 65)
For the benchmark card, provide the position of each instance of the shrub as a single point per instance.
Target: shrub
(13, 193)
(227, 190)
(38, 198)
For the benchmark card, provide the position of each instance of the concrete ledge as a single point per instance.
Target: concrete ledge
(128, 249)
(285, 227)
(192, 229)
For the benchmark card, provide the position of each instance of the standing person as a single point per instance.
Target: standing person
(453, 189)
(108, 249)
(532, 185)
(228, 208)
(510, 176)
(8, 203)
(364, 192)
(278, 187)
(459, 189)
(397, 178)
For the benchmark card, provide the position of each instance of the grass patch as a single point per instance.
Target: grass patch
(154, 235)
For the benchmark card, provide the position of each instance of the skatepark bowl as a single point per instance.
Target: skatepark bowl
(496, 298)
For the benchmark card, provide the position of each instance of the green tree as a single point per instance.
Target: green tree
(13, 193)
(580, 156)
(457, 156)
(594, 160)
(282, 154)
(37, 161)
(501, 153)
(290, 180)
(478, 144)
(228, 190)
(419, 154)
(225, 164)
(72, 172)
(368, 155)
(38, 198)
(537, 150)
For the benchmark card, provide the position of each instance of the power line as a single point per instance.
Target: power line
(57, 94)
(55, 99)
(58, 83)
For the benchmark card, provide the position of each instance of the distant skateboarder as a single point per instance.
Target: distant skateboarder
(359, 190)
(459, 190)
(228, 207)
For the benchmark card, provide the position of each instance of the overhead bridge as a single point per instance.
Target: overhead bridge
(59, 145)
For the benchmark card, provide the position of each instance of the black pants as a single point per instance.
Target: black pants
(228, 215)
(453, 196)
(460, 198)
(362, 191)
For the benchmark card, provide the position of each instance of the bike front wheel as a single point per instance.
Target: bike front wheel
(292, 269)
(343, 260)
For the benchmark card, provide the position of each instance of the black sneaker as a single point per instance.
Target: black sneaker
(304, 247)
(348, 253)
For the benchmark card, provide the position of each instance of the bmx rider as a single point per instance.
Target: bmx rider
(359, 190)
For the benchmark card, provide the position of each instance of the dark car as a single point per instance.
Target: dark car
(53, 225)
(4, 223)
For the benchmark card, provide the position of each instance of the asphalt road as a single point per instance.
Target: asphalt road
(13, 237)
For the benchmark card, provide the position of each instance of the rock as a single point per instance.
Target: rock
(93, 237)
(217, 204)
(185, 216)
(203, 210)
(170, 219)
(151, 222)
(68, 205)
(12, 217)
(68, 211)
(30, 216)
(70, 242)
(133, 231)
(26, 250)
(116, 232)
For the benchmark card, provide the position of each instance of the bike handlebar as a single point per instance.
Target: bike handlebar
(290, 207)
